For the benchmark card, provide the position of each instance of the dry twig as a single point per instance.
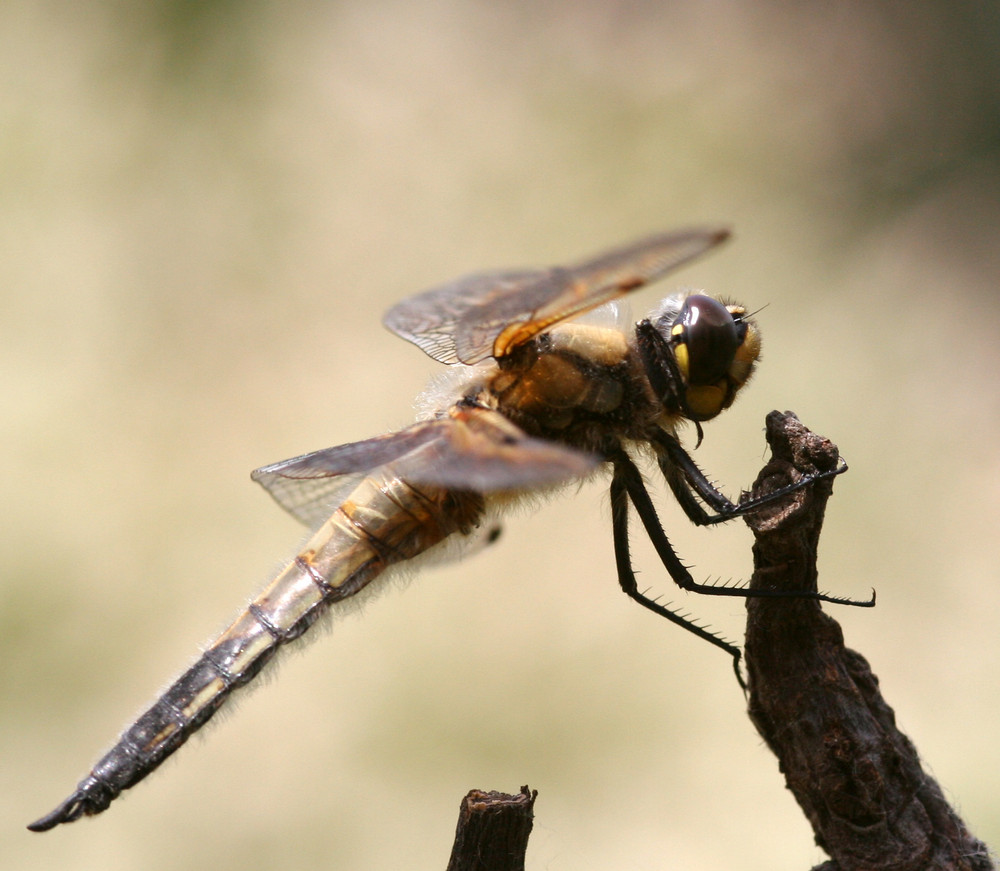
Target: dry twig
(493, 831)
(817, 704)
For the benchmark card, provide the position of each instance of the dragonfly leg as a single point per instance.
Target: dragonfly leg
(629, 479)
(686, 480)
(626, 574)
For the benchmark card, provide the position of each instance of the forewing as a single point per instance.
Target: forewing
(470, 449)
(492, 313)
(442, 321)
(607, 277)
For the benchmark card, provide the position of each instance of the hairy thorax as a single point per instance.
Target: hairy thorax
(579, 384)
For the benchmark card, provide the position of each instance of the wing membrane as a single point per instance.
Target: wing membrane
(488, 314)
(470, 449)
(441, 321)
(311, 486)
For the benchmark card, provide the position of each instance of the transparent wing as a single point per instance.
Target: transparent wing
(488, 314)
(438, 321)
(311, 486)
(470, 449)
(309, 500)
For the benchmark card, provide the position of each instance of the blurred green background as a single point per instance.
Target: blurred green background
(204, 209)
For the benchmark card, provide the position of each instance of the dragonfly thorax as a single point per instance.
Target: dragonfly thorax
(572, 382)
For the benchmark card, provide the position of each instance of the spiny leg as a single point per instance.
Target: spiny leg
(627, 476)
(627, 580)
(685, 479)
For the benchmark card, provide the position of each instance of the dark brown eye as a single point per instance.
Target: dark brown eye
(711, 336)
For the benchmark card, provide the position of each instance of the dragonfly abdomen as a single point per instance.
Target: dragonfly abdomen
(383, 521)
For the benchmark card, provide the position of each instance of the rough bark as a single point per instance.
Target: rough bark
(492, 833)
(818, 705)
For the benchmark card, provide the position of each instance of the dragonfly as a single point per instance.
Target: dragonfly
(536, 398)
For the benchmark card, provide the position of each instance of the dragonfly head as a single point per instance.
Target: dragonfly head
(714, 347)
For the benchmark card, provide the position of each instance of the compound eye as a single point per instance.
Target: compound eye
(707, 337)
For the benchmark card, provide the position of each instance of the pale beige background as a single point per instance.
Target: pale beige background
(204, 209)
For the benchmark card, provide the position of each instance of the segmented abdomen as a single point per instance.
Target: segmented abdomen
(383, 521)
